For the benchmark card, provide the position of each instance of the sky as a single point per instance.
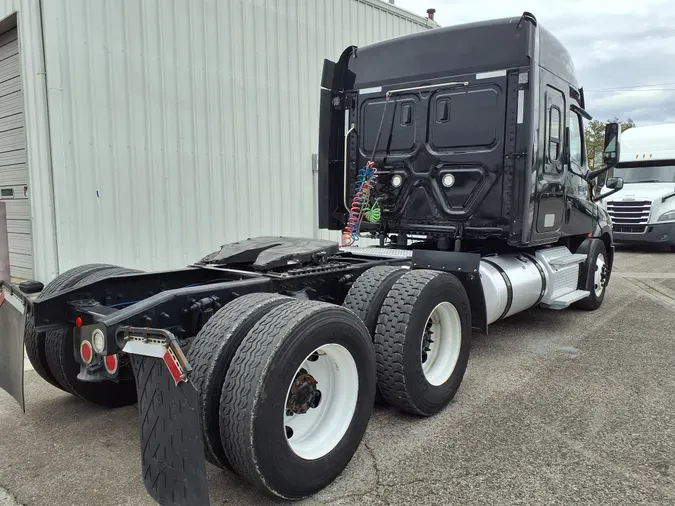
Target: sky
(623, 51)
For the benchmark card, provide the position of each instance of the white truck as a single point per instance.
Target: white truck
(643, 211)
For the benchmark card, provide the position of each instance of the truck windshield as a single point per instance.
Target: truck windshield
(646, 173)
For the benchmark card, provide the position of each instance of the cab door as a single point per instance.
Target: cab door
(552, 170)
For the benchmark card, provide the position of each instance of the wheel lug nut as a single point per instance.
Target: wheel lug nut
(289, 412)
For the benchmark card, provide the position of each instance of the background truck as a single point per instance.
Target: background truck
(644, 210)
(461, 151)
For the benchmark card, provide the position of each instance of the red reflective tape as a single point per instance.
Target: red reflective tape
(2, 298)
(174, 370)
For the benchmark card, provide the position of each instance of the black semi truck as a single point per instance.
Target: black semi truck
(460, 153)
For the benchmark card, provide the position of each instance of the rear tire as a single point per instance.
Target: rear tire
(211, 354)
(422, 341)
(596, 271)
(35, 343)
(366, 295)
(262, 387)
(64, 367)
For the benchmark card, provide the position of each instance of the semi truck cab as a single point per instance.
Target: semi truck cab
(643, 211)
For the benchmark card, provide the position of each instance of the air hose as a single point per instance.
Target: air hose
(365, 183)
(361, 207)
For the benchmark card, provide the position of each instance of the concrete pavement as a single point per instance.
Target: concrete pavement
(556, 408)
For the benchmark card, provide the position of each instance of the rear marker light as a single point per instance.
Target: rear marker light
(111, 363)
(78, 322)
(86, 352)
(98, 341)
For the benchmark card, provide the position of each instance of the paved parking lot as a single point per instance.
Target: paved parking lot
(556, 408)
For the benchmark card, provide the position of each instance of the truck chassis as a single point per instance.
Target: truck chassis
(272, 339)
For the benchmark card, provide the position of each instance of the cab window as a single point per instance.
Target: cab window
(577, 185)
(576, 140)
(554, 134)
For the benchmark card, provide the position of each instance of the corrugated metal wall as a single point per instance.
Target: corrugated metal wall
(177, 125)
(34, 97)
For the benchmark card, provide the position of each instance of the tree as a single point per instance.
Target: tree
(595, 139)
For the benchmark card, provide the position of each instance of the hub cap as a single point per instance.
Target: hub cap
(320, 401)
(600, 275)
(441, 342)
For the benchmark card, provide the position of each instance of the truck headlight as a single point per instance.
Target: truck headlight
(669, 216)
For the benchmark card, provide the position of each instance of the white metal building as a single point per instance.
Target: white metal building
(145, 133)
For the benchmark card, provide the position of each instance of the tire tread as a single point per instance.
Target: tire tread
(35, 343)
(240, 390)
(210, 350)
(58, 344)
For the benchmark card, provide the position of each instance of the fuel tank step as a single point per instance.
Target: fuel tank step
(564, 301)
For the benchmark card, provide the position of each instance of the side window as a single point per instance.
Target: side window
(576, 140)
(577, 185)
(554, 134)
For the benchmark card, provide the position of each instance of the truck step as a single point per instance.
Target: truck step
(564, 301)
(564, 261)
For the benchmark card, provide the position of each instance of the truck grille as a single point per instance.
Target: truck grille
(629, 213)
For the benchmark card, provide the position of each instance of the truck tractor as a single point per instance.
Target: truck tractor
(643, 212)
(458, 154)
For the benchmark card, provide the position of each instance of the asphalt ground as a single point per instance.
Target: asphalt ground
(556, 408)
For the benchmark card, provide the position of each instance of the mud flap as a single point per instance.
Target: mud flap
(12, 325)
(172, 449)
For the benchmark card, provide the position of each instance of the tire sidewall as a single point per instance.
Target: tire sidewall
(597, 247)
(286, 471)
(427, 397)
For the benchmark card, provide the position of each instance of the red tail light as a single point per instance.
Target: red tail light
(86, 352)
(111, 363)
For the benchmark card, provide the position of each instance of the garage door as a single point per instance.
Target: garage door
(13, 169)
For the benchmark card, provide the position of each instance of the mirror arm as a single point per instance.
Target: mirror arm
(590, 176)
(605, 195)
(666, 197)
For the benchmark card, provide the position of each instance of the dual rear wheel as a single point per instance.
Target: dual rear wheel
(296, 380)
(420, 323)
(52, 354)
(284, 378)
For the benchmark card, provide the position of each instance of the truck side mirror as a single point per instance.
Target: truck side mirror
(612, 149)
(614, 184)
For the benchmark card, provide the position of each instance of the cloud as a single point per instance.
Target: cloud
(614, 44)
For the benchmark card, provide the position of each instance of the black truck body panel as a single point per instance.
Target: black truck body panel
(473, 101)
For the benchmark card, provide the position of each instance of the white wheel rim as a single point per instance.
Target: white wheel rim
(439, 355)
(317, 431)
(599, 266)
